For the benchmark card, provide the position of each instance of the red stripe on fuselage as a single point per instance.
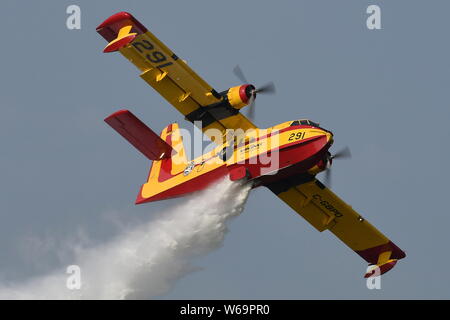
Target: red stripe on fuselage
(166, 165)
(294, 159)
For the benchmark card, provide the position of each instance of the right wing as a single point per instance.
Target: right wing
(326, 211)
(168, 74)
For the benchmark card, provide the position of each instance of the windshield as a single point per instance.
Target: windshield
(304, 122)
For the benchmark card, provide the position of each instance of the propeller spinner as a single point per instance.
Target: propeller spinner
(251, 91)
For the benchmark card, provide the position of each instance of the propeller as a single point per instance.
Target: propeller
(268, 88)
(344, 153)
(327, 176)
(251, 107)
(239, 74)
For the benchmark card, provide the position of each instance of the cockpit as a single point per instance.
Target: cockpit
(304, 122)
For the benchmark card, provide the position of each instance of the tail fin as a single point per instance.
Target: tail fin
(139, 135)
(165, 169)
(172, 136)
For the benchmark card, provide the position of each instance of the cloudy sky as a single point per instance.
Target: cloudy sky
(68, 180)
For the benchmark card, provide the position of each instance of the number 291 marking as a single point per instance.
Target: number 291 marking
(153, 55)
(296, 136)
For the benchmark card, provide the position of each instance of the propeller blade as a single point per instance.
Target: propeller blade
(251, 108)
(239, 74)
(268, 88)
(327, 178)
(343, 154)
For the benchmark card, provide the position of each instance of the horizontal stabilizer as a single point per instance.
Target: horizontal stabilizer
(139, 135)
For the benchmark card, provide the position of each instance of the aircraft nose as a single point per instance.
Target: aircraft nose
(329, 135)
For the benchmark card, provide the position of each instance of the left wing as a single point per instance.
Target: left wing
(326, 211)
(169, 75)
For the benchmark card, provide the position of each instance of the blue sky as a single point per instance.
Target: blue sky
(384, 93)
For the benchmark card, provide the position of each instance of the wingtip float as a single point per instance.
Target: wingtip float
(301, 146)
(119, 30)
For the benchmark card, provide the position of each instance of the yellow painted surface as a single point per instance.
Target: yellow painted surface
(235, 98)
(187, 91)
(176, 81)
(326, 211)
(269, 140)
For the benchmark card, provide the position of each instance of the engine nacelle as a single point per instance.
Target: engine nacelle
(239, 96)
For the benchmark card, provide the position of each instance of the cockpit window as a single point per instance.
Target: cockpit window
(304, 122)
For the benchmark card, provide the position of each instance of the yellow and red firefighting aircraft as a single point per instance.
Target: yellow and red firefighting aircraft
(300, 146)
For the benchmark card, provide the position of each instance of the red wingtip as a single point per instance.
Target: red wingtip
(371, 255)
(115, 18)
(109, 28)
(120, 16)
